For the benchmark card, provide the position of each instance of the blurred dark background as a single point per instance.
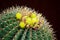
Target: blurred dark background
(47, 7)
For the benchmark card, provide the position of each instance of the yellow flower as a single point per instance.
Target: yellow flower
(34, 20)
(18, 15)
(28, 20)
(22, 24)
(33, 15)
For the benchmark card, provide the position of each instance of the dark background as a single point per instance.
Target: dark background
(47, 7)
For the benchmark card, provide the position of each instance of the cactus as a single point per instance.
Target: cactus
(23, 23)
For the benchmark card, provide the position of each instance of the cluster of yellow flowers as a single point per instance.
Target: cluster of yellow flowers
(27, 20)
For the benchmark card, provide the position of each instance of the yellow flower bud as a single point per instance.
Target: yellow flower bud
(25, 16)
(18, 15)
(22, 24)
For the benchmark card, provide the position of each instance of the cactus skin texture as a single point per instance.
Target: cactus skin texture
(10, 30)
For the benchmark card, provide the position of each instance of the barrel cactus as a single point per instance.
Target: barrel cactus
(23, 23)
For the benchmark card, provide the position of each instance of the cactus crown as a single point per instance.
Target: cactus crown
(23, 23)
(31, 20)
